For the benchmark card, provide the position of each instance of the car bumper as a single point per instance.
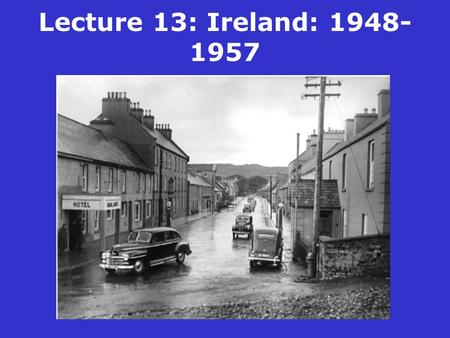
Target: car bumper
(264, 259)
(240, 232)
(115, 267)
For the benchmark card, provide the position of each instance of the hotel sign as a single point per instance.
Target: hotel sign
(90, 202)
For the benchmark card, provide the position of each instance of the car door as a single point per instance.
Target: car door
(170, 241)
(156, 246)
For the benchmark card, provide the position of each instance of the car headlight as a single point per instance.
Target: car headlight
(125, 257)
(105, 254)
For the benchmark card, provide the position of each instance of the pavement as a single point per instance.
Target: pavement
(90, 252)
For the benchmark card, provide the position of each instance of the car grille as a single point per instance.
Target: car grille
(114, 260)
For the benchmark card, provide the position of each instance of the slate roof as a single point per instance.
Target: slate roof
(78, 140)
(197, 180)
(372, 127)
(165, 142)
(329, 196)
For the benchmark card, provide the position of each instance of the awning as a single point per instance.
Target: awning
(90, 202)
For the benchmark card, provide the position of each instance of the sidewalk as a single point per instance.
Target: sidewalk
(91, 251)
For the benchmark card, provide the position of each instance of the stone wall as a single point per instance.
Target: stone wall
(354, 256)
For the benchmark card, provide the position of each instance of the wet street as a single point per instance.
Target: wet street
(217, 272)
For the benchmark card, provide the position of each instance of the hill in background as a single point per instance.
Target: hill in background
(248, 170)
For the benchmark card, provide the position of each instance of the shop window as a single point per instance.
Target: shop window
(137, 210)
(84, 221)
(147, 209)
(96, 222)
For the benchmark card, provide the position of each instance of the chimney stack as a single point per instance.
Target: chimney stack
(149, 120)
(349, 129)
(384, 102)
(165, 130)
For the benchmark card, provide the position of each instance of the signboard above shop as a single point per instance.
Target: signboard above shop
(90, 202)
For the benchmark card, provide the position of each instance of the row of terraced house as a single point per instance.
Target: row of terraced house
(355, 195)
(122, 172)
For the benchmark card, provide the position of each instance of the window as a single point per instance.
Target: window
(344, 223)
(84, 177)
(110, 179)
(109, 214)
(138, 181)
(156, 181)
(145, 182)
(165, 183)
(156, 156)
(329, 169)
(123, 181)
(96, 224)
(344, 171)
(123, 209)
(84, 222)
(137, 210)
(364, 229)
(147, 209)
(150, 183)
(370, 164)
(97, 179)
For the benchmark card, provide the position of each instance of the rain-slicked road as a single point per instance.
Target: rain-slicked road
(217, 272)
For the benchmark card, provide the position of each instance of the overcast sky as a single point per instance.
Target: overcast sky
(226, 119)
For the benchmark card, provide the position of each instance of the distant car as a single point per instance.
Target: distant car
(266, 247)
(247, 208)
(144, 248)
(243, 226)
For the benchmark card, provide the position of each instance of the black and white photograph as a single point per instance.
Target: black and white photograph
(223, 197)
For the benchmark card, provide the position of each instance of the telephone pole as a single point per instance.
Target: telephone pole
(318, 182)
(297, 178)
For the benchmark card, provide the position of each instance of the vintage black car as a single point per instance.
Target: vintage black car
(144, 248)
(266, 247)
(243, 226)
(247, 208)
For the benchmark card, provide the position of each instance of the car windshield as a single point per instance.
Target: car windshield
(266, 236)
(141, 236)
(243, 218)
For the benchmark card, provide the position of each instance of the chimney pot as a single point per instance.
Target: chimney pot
(120, 95)
(374, 111)
(137, 104)
(124, 95)
(366, 110)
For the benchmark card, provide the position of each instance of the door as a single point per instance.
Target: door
(116, 226)
(130, 216)
(157, 246)
(325, 223)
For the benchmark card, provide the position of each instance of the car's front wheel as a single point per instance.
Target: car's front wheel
(180, 257)
(138, 267)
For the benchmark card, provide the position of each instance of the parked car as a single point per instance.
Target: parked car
(243, 226)
(247, 208)
(266, 247)
(144, 248)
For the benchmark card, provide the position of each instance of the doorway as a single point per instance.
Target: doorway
(76, 237)
(325, 223)
(130, 216)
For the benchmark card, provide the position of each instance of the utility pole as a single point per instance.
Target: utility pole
(297, 176)
(318, 182)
